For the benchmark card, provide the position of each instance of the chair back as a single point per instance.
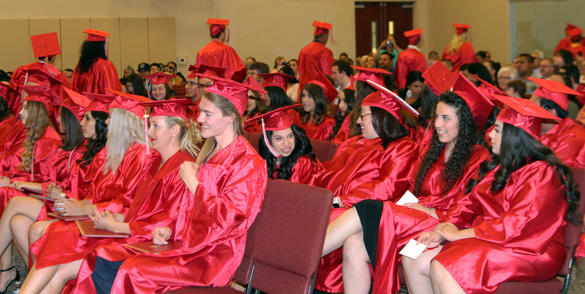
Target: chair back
(324, 150)
(573, 231)
(290, 230)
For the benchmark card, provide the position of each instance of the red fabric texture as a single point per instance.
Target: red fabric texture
(567, 140)
(321, 131)
(221, 55)
(465, 54)
(101, 76)
(408, 60)
(315, 62)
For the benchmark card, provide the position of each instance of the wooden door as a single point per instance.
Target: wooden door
(372, 23)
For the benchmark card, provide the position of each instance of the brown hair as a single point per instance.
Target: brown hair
(36, 123)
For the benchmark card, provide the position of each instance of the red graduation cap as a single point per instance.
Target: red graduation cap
(329, 91)
(45, 44)
(480, 105)
(439, 78)
(75, 102)
(95, 35)
(461, 28)
(387, 100)
(231, 90)
(41, 77)
(43, 94)
(555, 91)
(524, 114)
(574, 32)
(129, 102)
(370, 73)
(5, 89)
(207, 70)
(569, 27)
(413, 36)
(321, 27)
(217, 25)
(159, 78)
(173, 107)
(488, 89)
(276, 79)
(100, 102)
(253, 85)
(275, 120)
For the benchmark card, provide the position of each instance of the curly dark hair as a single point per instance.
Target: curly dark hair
(349, 99)
(302, 147)
(517, 149)
(315, 93)
(467, 137)
(73, 136)
(90, 52)
(101, 133)
(4, 109)
(278, 98)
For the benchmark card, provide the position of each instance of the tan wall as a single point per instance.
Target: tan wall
(541, 24)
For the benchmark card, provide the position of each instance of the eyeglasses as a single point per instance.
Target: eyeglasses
(362, 115)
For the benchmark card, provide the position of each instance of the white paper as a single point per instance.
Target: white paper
(413, 249)
(408, 197)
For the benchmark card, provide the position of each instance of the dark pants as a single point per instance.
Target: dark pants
(104, 274)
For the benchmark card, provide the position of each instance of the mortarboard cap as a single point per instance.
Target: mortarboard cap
(488, 89)
(43, 94)
(95, 35)
(41, 77)
(75, 102)
(5, 90)
(575, 32)
(276, 79)
(439, 78)
(370, 73)
(555, 91)
(100, 102)
(217, 25)
(129, 102)
(45, 44)
(253, 85)
(329, 91)
(413, 36)
(524, 114)
(461, 28)
(321, 27)
(480, 105)
(207, 70)
(231, 90)
(159, 78)
(569, 27)
(387, 100)
(275, 120)
(173, 107)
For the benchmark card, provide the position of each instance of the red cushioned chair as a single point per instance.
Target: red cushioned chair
(286, 242)
(573, 232)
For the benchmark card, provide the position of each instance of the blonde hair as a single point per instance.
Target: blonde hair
(124, 129)
(189, 137)
(456, 42)
(37, 121)
(227, 109)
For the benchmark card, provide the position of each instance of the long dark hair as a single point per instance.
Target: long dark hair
(387, 126)
(467, 137)
(321, 102)
(101, 135)
(349, 99)
(278, 98)
(73, 136)
(363, 89)
(4, 109)
(302, 147)
(517, 149)
(137, 84)
(90, 52)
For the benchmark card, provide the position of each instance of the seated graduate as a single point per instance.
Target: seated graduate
(285, 147)
(273, 97)
(228, 185)
(499, 231)
(451, 161)
(159, 86)
(114, 175)
(313, 116)
(345, 106)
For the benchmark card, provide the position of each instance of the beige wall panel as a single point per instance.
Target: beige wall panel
(71, 40)
(16, 43)
(42, 26)
(161, 39)
(112, 26)
(134, 41)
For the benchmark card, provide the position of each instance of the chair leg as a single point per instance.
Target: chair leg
(312, 287)
(568, 277)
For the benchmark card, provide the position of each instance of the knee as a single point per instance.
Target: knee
(437, 270)
(36, 231)
(416, 266)
(354, 250)
(17, 222)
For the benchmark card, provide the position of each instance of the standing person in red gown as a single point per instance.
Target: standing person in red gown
(511, 226)
(94, 72)
(286, 147)
(410, 59)
(313, 117)
(459, 51)
(219, 54)
(574, 41)
(45, 48)
(316, 60)
(113, 188)
(451, 161)
(228, 185)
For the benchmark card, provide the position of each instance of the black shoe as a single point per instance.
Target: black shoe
(16, 278)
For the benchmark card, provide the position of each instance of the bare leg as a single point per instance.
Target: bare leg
(340, 229)
(19, 225)
(443, 281)
(65, 273)
(417, 272)
(38, 229)
(6, 262)
(36, 280)
(356, 269)
(26, 206)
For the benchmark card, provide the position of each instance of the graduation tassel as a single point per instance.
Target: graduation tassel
(270, 148)
(146, 132)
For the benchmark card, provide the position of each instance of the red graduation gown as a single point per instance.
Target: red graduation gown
(315, 62)
(231, 189)
(409, 60)
(101, 76)
(573, 47)
(515, 240)
(62, 243)
(343, 133)
(219, 54)
(162, 200)
(567, 140)
(321, 131)
(13, 133)
(465, 54)
(304, 169)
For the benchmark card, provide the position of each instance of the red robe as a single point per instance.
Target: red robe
(464, 55)
(219, 54)
(101, 76)
(573, 47)
(231, 189)
(343, 132)
(304, 169)
(315, 62)
(321, 131)
(567, 140)
(13, 134)
(399, 224)
(162, 200)
(410, 59)
(515, 240)
(62, 243)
